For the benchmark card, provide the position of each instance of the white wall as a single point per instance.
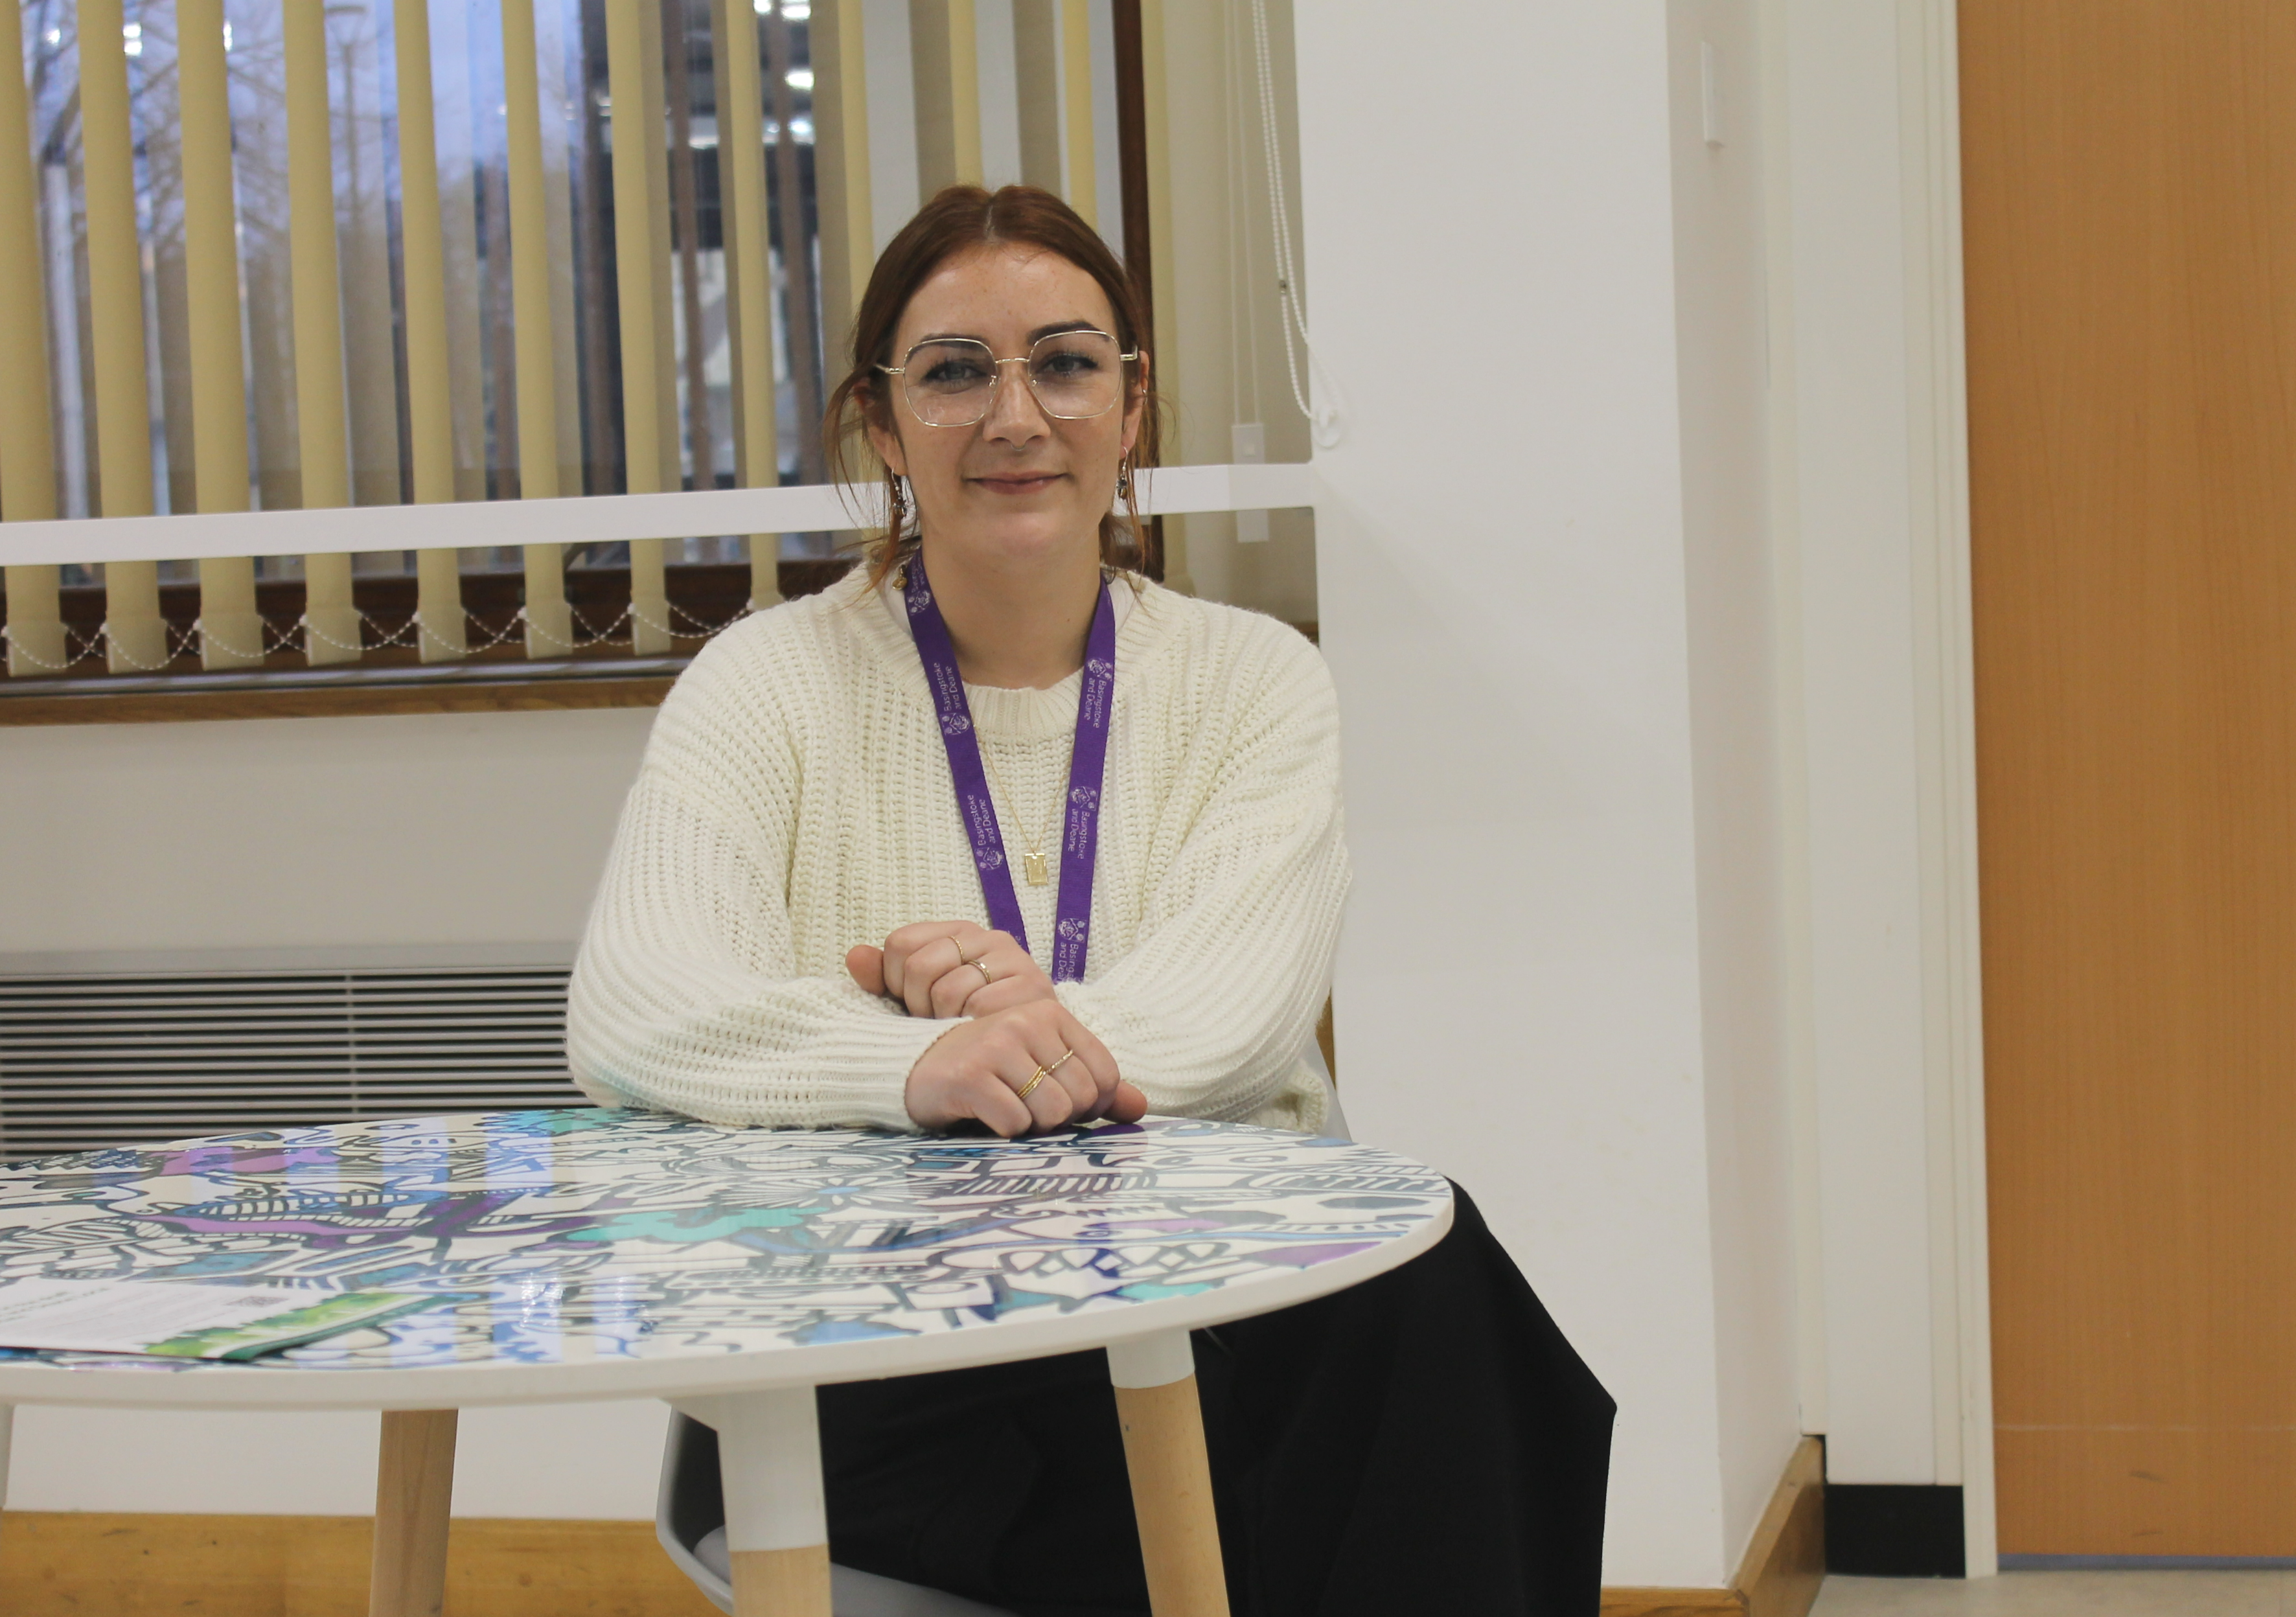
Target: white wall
(597, 1462)
(453, 830)
(1507, 601)
(469, 828)
(1541, 594)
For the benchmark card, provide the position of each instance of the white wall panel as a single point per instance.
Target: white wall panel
(1505, 602)
(1719, 295)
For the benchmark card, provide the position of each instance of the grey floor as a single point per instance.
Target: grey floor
(2258, 1594)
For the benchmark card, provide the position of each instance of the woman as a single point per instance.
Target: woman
(1000, 693)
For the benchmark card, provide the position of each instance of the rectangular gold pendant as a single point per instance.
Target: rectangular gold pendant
(1034, 863)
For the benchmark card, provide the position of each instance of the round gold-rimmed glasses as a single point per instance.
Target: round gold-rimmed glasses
(951, 382)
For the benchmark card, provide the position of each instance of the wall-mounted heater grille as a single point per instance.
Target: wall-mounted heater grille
(89, 1061)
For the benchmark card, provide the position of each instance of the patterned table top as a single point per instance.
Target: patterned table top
(594, 1253)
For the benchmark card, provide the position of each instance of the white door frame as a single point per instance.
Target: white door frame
(1913, 488)
(1945, 712)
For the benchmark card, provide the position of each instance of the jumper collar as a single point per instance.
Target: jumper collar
(1121, 597)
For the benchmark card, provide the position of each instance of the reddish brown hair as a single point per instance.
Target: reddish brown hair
(959, 219)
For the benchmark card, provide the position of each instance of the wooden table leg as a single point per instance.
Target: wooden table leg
(414, 1490)
(1156, 1398)
(776, 1528)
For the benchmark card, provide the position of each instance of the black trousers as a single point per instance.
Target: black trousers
(1424, 1443)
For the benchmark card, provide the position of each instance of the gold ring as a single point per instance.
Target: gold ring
(985, 978)
(1063, 1061)
(960, 954)
(1030, 1089)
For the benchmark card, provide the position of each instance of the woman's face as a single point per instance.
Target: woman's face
(1018, 486)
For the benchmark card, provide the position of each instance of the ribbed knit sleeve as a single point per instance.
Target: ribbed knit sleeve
(687, 996)
(1209, 1009)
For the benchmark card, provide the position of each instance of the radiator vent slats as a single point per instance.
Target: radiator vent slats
(91, 1062)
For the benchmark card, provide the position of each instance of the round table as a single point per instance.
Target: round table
(598, 1254)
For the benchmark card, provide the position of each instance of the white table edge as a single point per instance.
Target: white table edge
(479, 1386)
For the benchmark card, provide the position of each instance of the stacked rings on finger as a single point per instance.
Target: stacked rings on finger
(1038, 1077)
(985, 978)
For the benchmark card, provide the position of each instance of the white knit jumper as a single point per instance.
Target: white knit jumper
(795, 801)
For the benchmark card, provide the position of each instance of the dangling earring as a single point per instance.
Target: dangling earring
(896, 513)
(1123, 478)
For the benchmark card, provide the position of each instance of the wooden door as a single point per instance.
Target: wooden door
(2131, 206)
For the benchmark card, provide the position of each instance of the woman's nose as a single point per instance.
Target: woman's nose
(1015, 416)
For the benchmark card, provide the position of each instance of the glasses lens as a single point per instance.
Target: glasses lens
(1076, 375)
(949, 383)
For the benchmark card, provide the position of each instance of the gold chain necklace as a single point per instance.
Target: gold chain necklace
(1032, 861)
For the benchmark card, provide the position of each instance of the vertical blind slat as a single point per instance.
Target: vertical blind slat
(37, 643)
(135, 638)
(430, 398)
(944, 58)
(331, 621)
(634, 264)
(1082, 191)
(549, 622)
(1036, 85)
(841, 163)
(630, 66)
(28, 472)
(649, 578)
(749, 276)
(231, 633)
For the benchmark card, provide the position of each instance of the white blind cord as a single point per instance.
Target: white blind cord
(1327, 422)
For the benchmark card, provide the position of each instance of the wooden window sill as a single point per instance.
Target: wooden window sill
(448, 687)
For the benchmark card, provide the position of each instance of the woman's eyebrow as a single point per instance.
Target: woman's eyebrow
(1038, 335)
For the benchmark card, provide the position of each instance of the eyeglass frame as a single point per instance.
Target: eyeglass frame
(902, 371)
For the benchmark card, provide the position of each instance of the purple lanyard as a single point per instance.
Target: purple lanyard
(1087, 763)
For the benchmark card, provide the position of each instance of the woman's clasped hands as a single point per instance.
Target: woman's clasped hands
(1013, 1028)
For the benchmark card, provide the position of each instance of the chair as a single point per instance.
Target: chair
(690, 1512)
(690, 1516)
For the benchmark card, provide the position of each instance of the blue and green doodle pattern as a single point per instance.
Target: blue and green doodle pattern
(581, 1235)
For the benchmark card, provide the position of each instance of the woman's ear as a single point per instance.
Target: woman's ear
(1135, 408)
(885, 441)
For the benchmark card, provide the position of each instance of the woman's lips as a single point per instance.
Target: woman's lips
(1019, 483)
